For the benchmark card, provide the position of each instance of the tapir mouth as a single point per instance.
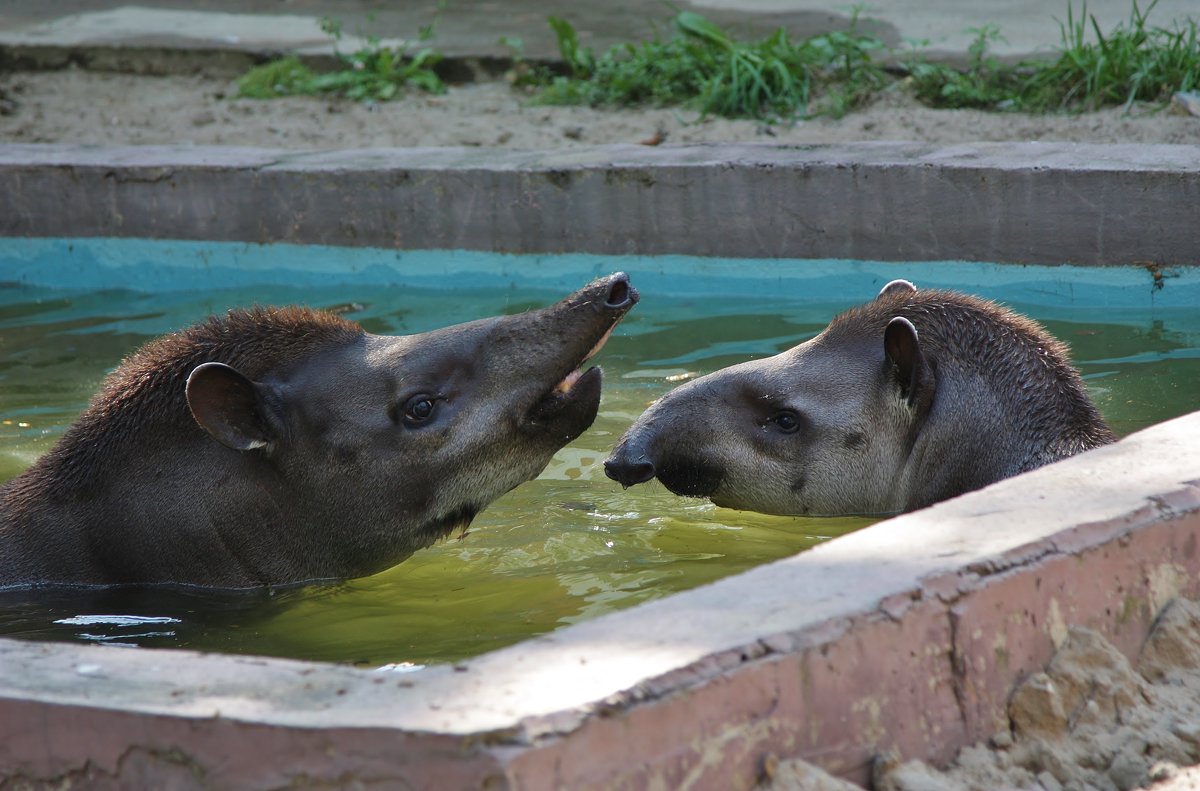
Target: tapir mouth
(569, 381)
(578, 391)
(584, 389)
(690, 478)
(577, 386)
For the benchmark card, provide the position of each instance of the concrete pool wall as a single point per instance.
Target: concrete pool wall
(1026, 203)
(906, 635)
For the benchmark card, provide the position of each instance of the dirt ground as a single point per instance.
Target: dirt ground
(1091, 722)
(76, 106)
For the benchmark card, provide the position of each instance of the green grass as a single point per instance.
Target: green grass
(984, 84)
(704, 68)
(371, 73)
(1133, 62)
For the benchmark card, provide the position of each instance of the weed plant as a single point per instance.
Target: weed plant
(984, 84)
(371, 73)
(705, 68)
(845, 68)
(1134, 62)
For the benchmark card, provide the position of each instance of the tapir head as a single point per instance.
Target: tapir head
(820, 429)
(383, 444)
(912, 398)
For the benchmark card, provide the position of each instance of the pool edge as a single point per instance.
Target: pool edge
(890, 643)
(1046, 203)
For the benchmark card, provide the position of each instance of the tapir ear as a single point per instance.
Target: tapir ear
(913, 374)
(237, 412)
(897, 287)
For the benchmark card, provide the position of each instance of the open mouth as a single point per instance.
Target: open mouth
(621, 296)
(577, 386)
(571, 379)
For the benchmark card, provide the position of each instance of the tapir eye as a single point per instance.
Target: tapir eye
(419, 409)
(786, 421)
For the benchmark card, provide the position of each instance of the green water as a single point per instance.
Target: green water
(569, 546)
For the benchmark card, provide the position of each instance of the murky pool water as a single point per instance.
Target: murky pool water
(566, 547)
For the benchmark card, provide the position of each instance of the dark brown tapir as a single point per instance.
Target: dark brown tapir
(913, 398)
(285, 445)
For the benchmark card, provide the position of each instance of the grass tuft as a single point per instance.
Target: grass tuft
(702, 67)
(371, 73)
(1134, 62)
(985, 84)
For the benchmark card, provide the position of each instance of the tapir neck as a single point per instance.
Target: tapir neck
(981, 429)
(150, 519)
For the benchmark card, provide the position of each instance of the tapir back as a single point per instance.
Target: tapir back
(132, 489)
(998, 369)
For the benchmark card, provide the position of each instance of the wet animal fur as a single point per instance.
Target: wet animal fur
(143, 401)
(1045, 400)
(147, 389)
(279, 446)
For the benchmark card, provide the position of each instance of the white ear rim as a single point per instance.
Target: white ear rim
(898, 287)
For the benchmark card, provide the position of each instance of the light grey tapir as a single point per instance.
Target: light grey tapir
(276, 446)
(913, 398)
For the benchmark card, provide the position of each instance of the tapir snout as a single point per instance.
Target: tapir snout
(649, 451)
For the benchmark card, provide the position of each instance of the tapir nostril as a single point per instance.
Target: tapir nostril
(629, 473)
(618, 292)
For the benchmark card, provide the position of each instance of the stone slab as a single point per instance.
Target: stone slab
(74, 30)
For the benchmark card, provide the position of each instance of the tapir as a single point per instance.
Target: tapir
(910, 399)
(283, 445)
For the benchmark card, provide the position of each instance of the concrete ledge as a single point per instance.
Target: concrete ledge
(1014, 202)
(473, 28)
(906, 635)
(160, 61)
(158, 41)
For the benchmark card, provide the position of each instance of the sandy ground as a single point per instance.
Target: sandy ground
(98, 108)
(1091, 721)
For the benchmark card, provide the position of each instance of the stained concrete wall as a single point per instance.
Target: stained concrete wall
(1008, 202)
